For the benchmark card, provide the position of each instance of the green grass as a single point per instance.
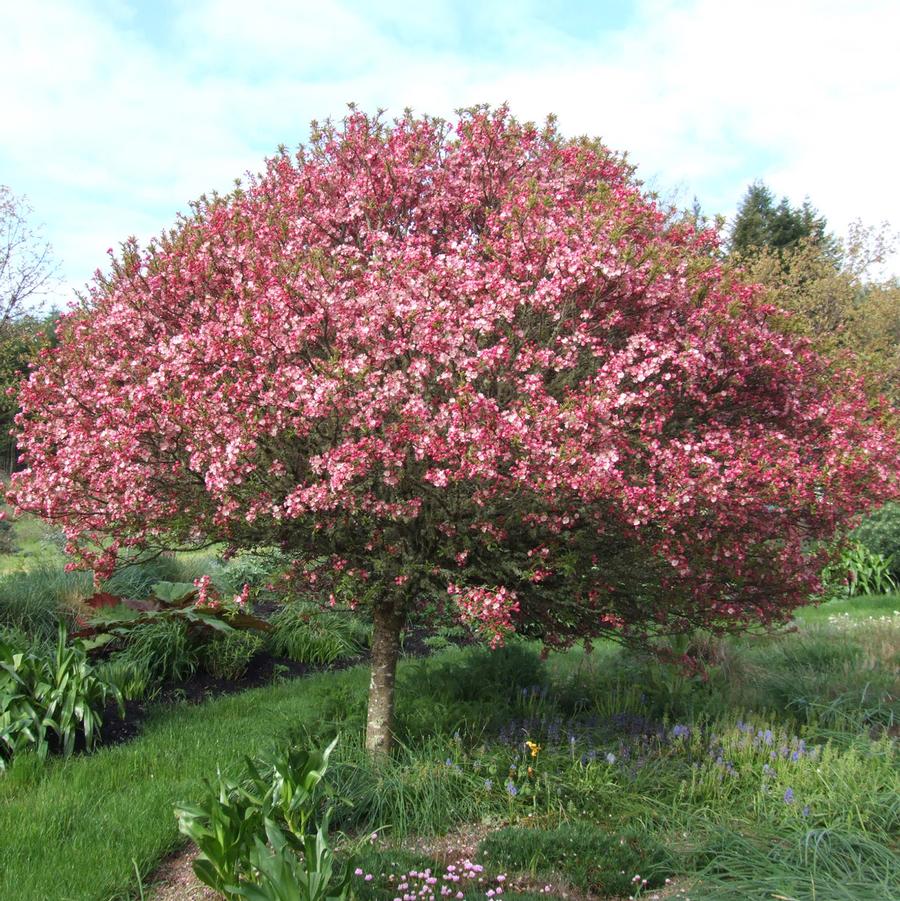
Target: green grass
(855, 608)
(36, 543)
(713, 799)
(34, 599)
(603, 862)
(837, 864)
(72, 830)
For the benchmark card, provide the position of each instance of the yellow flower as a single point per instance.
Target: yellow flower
(533, 747)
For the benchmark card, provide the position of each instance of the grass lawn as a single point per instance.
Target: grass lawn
(714, 782)
(76, 829)
(853, 608)
(33, 543)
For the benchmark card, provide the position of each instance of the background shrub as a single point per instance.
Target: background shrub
(227, 655)
(307, 633)
(880, 533)
(254, 569)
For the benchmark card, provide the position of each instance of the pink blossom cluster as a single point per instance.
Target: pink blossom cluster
(428, 885)
(432, 350)
(491, 610)
(208, 598)
(204, 597)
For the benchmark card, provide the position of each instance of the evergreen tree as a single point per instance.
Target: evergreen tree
(21, 341)
(752, 225)
(761, 223)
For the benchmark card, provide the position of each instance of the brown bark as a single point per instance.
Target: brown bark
(387, 623)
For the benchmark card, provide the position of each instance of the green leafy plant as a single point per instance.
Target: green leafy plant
(115, 616)
(173, 592)
(224, 826)
(228, 655)
(254, 569)
(280, 875)
(286, 779)
(250, 832)
(880, 533)
(48, 699)
(859, 571)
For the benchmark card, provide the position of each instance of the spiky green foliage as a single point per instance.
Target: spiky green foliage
(307, 633)
(49, 699)
(228, 655)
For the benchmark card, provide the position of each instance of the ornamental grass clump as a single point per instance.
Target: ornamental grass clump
(308, 634)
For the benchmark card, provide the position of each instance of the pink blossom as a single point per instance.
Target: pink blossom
(476, 350)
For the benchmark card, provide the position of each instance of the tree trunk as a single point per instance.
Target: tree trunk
(387, 622)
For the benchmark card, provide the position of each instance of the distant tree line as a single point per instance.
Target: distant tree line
(829, 289)
(27, 272)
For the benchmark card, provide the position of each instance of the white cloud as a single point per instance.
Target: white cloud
(111, 126)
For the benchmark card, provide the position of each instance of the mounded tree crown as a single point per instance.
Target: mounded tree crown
(469, 363)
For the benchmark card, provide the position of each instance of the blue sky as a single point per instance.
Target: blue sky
(115, 113)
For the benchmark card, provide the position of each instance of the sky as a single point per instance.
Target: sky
(114, 114)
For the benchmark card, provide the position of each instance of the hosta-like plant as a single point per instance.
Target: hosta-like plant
(284, 783)
(279, 874)
(262, 837)
(48, 700)
(224, 826)
(859, 571)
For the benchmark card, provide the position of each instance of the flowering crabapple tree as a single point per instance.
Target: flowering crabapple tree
(470, 364)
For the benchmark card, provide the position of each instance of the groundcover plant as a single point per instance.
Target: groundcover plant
(467, 364)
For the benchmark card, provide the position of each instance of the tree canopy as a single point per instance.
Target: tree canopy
(762, 224)
(468, 363)
(27, 267)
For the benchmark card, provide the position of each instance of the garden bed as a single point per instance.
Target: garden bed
(264, 669)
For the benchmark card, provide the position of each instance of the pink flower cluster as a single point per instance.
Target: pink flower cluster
(490, 609)
(431, 350)
(242, 599)
(204, 598)
(425, 885)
